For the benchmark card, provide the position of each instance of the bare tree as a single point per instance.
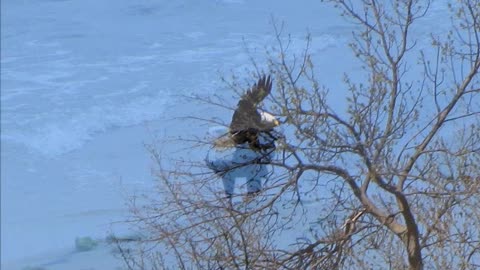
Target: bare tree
(395, 178)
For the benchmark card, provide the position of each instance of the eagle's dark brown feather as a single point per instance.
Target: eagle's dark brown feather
(246, 120)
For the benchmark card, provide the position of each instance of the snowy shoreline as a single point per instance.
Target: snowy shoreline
(86, 84)
(110, 181)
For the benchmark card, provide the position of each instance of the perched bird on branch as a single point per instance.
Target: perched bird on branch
(248, 121)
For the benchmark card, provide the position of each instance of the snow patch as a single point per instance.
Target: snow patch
(73, 130)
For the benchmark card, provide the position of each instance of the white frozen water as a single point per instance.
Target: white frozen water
(72, 69)
(85, 83)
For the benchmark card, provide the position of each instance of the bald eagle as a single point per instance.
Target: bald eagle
(247, 120)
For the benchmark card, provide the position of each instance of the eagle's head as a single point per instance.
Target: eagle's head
(269, 120)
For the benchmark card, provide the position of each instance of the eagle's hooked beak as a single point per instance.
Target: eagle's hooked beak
(269, 119)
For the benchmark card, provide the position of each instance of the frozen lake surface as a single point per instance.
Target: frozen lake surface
(86, 83)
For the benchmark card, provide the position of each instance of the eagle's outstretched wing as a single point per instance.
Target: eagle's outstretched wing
(246, 120)
(259, 91)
